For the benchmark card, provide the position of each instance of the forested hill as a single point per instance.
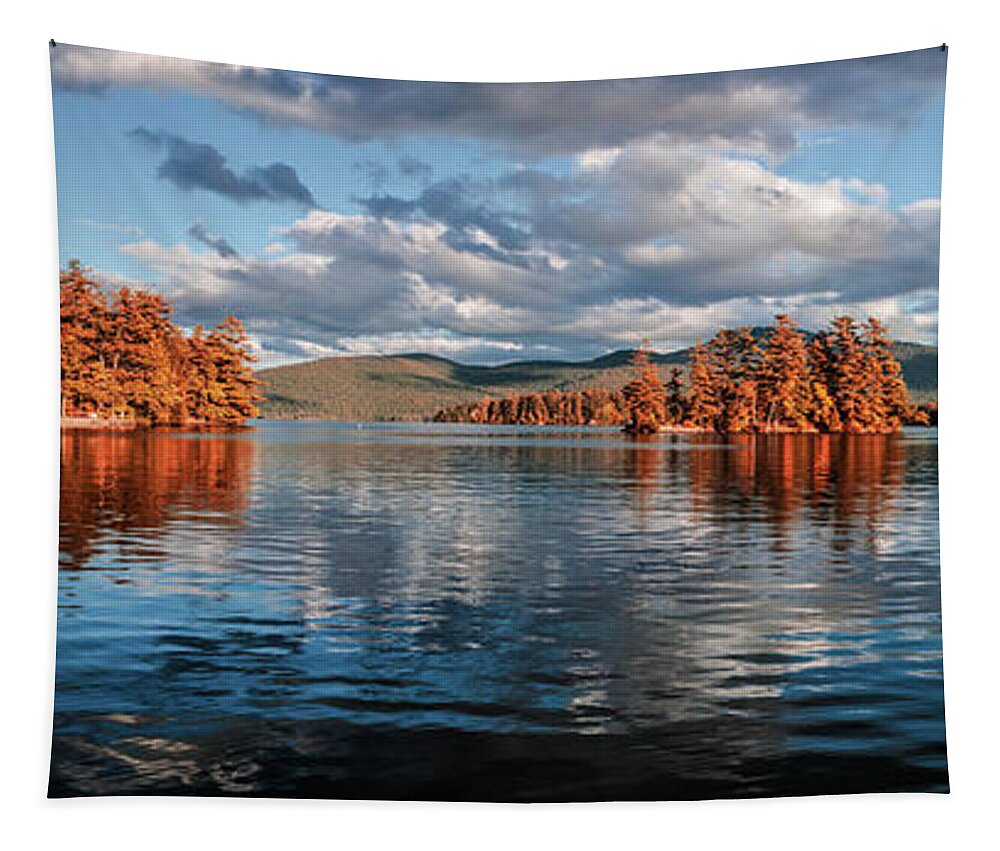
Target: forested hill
(414, 387)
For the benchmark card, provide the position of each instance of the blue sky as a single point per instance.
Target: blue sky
(491, 223)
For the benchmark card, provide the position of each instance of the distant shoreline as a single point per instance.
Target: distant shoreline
(87, 423)
(122, 424)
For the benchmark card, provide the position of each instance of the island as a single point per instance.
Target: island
(844, 380)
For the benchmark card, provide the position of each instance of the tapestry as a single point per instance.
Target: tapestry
(520, 442)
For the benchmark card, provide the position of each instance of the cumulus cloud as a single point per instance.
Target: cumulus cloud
(363, 282)
(761, 110)
(196, 165)
(684, 223)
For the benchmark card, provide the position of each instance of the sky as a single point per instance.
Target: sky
(492, 222)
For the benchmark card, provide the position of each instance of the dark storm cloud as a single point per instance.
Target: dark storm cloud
(197, 165)
(760, 109)
(217, 243)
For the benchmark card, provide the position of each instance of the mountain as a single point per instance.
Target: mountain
(415, 386)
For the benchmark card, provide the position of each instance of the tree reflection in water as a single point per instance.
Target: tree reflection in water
(143, 480)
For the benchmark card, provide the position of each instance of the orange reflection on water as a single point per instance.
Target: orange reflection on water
(124, 481)
(842, 479)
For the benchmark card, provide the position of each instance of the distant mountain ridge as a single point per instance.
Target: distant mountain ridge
(415, 386)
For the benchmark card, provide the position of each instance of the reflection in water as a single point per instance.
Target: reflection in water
(141, 481)
(517, 614)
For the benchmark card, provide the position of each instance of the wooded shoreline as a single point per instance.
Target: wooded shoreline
(844, 380)
(126, 366)
(125, 425)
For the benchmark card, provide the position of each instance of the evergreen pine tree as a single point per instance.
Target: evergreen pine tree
(703, 404)
(851, 377)
(786, 397)
(891, 403)
(645, 395)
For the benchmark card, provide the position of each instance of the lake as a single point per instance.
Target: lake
(460, 612)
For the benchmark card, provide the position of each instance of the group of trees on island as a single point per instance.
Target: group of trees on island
(553, 407)
(123, 358)
(845, 379)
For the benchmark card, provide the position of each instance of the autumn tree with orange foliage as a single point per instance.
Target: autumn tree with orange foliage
(846, 380)
(703, 402)
(123, 357)
(892, 405)
(676, 402)
(146, 356)
(785, 399)
(824, 413)
(736, 356)
(645, 396)
(851, 376)
(88, 384)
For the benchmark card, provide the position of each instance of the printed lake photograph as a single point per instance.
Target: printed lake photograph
(509, 442)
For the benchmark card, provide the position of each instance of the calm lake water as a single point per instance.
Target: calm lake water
(501, 613)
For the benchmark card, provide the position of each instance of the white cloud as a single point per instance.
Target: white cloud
(597, 159)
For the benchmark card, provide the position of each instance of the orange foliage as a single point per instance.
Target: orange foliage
(588, 407)
(122, 357)
(646, 397)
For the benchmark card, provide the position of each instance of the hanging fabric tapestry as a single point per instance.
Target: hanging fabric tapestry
(509, 442)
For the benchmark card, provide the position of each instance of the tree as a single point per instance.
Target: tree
(785, 396)
(703, 404)
(645, 396)
(735, 358)
(234, 391)
(891, 400)
(201, 377)
(850, 373)
(845, 380)
(145, 352)
(676, 404)
(87, 383)
(824, 412)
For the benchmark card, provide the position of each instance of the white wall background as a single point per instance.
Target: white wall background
(511, 40)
